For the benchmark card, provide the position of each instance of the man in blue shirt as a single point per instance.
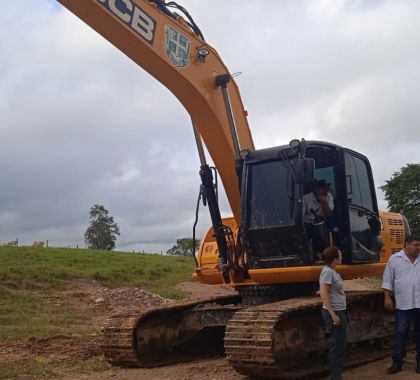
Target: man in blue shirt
(401, 284)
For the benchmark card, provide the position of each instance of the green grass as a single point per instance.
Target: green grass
(28, 276)
(23, 315)
(53, 268)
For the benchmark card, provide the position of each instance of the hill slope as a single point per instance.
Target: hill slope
(54, 302)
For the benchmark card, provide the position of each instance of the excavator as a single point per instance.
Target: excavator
(271, 328)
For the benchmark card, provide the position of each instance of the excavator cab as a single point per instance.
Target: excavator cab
(274, 182)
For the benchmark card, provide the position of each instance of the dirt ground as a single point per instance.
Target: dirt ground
(99, 302)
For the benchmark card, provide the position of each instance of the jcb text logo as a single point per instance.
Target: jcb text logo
(133, 16)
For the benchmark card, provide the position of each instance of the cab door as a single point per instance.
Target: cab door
(364, 241)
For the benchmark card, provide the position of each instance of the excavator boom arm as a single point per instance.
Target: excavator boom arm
(164, 45)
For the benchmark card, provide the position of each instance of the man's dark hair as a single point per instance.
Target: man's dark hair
(331, 253)
(410, 238)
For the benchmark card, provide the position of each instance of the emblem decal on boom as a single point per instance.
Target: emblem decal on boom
(177, 47)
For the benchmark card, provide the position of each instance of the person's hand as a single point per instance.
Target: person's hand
(322, 198)
(389, 304)
(336, 319)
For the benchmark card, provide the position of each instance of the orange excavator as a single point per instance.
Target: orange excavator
(272, 327)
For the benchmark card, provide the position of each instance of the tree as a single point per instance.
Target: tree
(183, 247)
(402, 192)
(102, 231)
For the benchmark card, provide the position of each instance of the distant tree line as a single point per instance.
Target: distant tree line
(402, 192)
(183, 247)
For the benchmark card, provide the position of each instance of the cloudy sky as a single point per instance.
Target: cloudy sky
(81, 124)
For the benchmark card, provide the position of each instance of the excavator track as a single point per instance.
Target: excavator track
(168, 334)
(283, 340)
(286, 339)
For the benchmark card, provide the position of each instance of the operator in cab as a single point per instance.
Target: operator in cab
(318, 207)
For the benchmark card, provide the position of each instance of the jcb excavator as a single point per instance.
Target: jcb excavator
(272, 328)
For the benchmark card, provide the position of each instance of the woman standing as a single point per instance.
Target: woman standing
(334, 310)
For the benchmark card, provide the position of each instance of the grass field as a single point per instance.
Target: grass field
(41, 269)
(25, 273)
(28, 276)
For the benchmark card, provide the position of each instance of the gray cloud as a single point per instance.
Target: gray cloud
(81, 124)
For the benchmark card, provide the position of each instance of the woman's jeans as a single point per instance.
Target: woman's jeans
(403, 320)
(337, 341)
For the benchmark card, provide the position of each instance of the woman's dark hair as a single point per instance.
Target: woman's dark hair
(331, 253)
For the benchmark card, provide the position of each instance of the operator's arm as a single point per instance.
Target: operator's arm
(327, 204)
